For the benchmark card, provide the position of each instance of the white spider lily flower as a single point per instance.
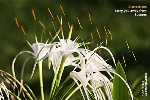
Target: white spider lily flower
(40, 51)
(65, 48)
(94, 83)
(55, 58)
(94, 62)
(53, 52)
(90, 75)
(98, 81)
(80, 76)
(94, 58)
(3, 89)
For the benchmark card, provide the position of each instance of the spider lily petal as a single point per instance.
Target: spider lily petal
(80, 76)
(99, 80)
(13, 63)
(55, 57)
(68, 45)
(71, 60)
(108, 52)
(40, 49)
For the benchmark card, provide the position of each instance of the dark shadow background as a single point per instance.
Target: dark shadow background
(123, 26)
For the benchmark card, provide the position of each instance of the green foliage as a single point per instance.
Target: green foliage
(120, 90)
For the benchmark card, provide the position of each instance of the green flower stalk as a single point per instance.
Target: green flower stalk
(41, 80)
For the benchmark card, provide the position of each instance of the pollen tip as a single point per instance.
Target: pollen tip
(33, 14)
(90, 18)
(50, 13)
(98, 32)
(17, 22)
(62, 10)
(79, 23)
(23, 30)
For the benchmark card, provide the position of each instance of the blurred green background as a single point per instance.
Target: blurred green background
(123, 26)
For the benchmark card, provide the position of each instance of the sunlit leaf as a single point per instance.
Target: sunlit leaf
(120, 90)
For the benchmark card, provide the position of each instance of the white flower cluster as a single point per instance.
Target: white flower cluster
(88, 66)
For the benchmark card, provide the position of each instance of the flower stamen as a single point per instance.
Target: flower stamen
(79, 23)
(33, 14)
(62, 10)
(90, 18)
(98, 32)
(16, 20)
(23, 30)
(50, 13)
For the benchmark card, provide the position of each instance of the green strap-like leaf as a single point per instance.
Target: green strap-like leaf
(120, 90)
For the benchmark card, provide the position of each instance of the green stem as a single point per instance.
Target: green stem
(41, 79)
(61, 69)
(70, 32)
(61, 86)
(57, 78)
(77, 88)
(67, 91)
